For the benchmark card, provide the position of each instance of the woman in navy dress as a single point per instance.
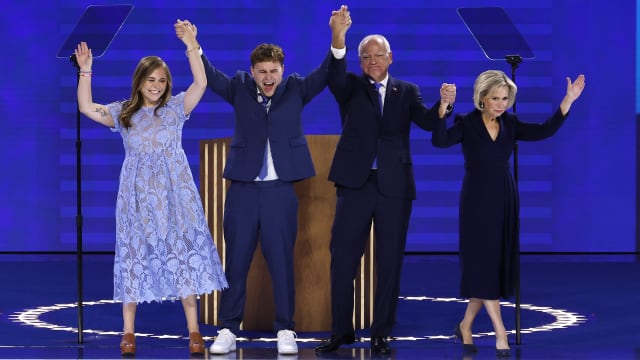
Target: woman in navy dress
(489, 205)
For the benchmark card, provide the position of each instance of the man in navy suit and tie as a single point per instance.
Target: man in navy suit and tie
(373, 175)
(268, 154)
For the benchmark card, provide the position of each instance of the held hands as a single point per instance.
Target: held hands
(84, 57)
(339, 23)
(340, 20)
(187, 32)
(447, 98)
(447, 94)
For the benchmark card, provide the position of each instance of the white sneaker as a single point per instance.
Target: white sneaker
(287, 342)
(225, 342)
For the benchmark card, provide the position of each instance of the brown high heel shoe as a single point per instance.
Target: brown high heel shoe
(196, 344)
(128, 345)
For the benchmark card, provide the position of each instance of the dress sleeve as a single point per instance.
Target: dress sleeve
(444, 137)
(533, 132)
(115, 108)
(176, 104)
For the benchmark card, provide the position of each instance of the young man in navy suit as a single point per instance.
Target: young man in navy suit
(268, 154)
(373, 174)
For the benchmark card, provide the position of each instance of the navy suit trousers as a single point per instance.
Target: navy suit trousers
(267, 211)
(355, 211)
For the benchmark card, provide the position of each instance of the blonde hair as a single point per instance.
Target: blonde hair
(489, 80)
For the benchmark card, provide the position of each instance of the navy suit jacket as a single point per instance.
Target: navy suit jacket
(282, 125)
(366, 134)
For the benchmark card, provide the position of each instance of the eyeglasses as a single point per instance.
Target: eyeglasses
(367, 58)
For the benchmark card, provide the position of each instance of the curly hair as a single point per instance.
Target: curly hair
(267, 52)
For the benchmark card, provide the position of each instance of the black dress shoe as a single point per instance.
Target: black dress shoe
(333, 343)
(380, 345)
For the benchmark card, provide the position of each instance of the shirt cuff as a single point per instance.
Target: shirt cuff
(339, 53)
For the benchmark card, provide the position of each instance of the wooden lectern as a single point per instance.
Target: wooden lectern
(317, 200)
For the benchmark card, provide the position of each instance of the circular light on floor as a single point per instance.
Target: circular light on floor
(563, 319)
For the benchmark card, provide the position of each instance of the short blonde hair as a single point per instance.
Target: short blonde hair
(489, 80)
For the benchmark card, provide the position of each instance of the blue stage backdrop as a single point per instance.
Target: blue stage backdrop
(578, 189)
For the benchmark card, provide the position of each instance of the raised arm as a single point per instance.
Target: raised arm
(187, 32)
(316, 81)
(93, 111)
(340, 22)
(539, 131)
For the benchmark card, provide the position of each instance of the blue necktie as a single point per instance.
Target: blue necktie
(263, 170)
(265, 102)
(378, 86)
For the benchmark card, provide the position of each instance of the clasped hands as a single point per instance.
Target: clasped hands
(448, 93)
(182, 26)
(340, 19)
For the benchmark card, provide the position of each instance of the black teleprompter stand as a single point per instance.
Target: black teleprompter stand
(97, 26)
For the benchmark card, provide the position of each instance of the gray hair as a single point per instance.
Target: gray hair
(490, 80)
(366, 39)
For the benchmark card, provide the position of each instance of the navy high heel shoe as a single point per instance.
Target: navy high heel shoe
(468, 348)
(503, 353)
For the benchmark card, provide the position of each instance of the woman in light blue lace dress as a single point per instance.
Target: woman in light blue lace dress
(164, 249)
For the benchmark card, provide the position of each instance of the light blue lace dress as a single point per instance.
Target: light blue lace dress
(164, 249)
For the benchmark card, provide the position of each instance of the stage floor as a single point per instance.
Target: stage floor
(573, 307)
